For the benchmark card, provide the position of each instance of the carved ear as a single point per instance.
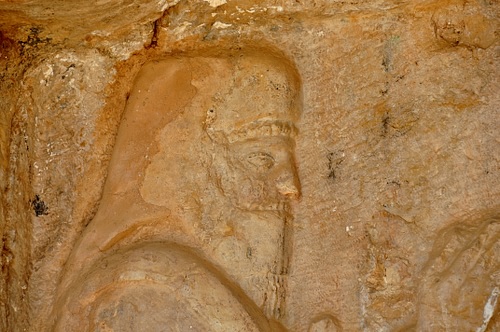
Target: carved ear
(216, 136)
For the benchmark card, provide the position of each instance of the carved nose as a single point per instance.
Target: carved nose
(288, 185)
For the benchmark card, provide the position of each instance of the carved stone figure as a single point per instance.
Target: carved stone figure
(193, 229)
(461, 283)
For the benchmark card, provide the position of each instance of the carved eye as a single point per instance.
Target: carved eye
(261, 160)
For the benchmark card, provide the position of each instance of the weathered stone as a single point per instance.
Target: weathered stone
(299, 165)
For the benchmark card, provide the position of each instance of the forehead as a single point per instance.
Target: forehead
(255, 88)
(224, 93)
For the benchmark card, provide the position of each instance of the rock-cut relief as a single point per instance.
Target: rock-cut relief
(194, 227)
(460, 286)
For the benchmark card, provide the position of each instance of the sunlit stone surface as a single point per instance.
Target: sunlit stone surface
(249, 166)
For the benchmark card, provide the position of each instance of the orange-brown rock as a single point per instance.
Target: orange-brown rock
(226, 165)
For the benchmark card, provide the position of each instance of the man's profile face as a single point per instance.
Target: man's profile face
(261, 174)
(256, 171)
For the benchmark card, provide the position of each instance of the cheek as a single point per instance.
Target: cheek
(248, 189)
(259, 191)
(250, 192)
(247, 186)
(236, 181)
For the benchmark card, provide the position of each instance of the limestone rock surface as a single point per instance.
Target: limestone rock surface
(249, 165)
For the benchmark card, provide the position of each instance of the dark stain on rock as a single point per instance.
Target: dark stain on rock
(39, 206)
(385, 125)
(334, 161)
